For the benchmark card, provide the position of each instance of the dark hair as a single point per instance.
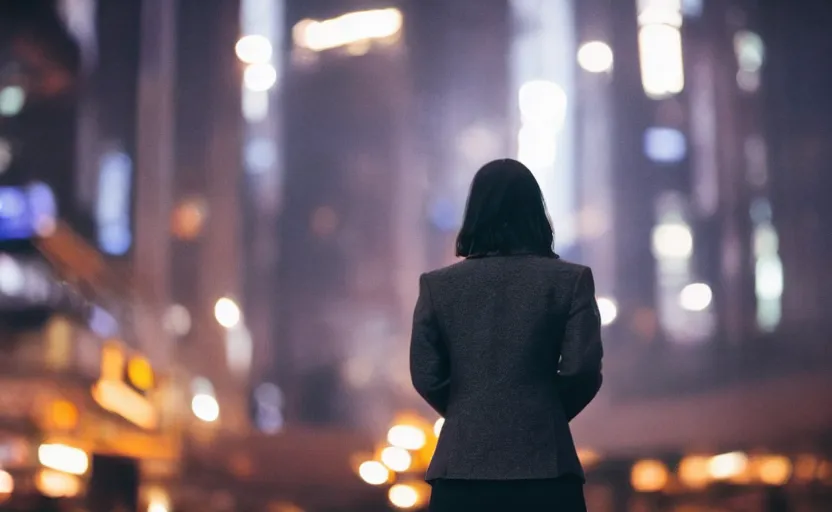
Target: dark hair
(505, 213)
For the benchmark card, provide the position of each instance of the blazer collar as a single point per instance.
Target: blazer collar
(512, 253)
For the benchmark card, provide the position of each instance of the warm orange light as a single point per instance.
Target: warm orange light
(117, 397)
(408, 496)
(6, 485)
(649, 476)
(63, 415)
(188, 219)
(112, 361)
(373, 472)
(56, 484)
(140, 373)
(805, 468)
(694, 471)
(774, 470)
(728, 466)
(588, 457)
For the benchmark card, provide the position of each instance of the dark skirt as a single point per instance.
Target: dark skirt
(565, 494)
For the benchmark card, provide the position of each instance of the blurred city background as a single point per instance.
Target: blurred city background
(213, 214)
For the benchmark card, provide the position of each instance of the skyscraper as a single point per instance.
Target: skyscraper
(341, 234)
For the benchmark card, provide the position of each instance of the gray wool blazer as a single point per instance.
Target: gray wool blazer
(508, 350)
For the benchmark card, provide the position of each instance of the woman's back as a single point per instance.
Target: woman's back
(487, 360)
(506, 345)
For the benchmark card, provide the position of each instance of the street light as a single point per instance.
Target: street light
(259, 77)
(373, 472)
(403, 496)
(595, 57)
(350, 28)
(397, 459)
(408, 437)
(227, 313)
(254, 49)
(696, 297)
(205, 407)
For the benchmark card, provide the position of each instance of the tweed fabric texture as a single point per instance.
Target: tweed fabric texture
(508, 349)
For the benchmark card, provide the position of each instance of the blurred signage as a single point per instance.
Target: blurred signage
(113, 208)
(26, 212)
(119, 398)
(113, 392)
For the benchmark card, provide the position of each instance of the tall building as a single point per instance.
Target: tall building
(79, 368)
(796, 119)
(697, 268)
(702, 329)
(346, 228)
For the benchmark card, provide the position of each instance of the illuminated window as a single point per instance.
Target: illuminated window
(255, 105)
(749, 50)
(682, 305)
(12, 99)
(665, 145)
(662, 66)
(768, 269)
(660, 47)
(348, 29)
(261, 154)
(113, 203)
(268, 400)
(663, 12)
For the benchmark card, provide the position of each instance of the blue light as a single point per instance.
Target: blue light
(692, 8)
(665, 145)
(269, 402)
(760, 211)
(115, 239)
(42, 200)
(260, 154)
(15, 215)
(102, 323)
(113, 203)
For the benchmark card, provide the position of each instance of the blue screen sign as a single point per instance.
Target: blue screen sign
(26, 212)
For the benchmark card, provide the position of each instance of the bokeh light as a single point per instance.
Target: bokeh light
(373, 472)
(205, 407)
(396, 459)
(696, 297)
(595, 57)
(259, 77)
(406, 436)
(649, 476)
(608, 310)
(254, 49)
(403, 496)
(227, 313)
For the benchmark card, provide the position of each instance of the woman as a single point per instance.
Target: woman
(506, 345)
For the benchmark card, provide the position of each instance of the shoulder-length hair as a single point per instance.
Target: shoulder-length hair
(505, 214)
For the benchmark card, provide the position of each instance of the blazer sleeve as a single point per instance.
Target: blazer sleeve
(579, 372)
(429, 364)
